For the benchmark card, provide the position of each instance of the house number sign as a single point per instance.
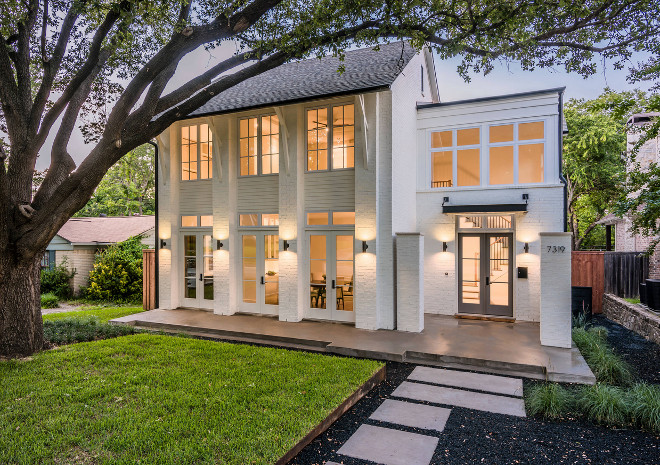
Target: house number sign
(556, 249)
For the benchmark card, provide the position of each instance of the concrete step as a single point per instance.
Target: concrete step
(476, 364)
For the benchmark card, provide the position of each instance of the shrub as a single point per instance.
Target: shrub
(606, 365)
(644, 405)
(550, 400)
(76, 329)
(603, 404)
(49, 300)
(117, 273)
(57, 281)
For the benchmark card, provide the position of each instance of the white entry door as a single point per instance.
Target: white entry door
(197, 279)
(260, 273)
(331, 275)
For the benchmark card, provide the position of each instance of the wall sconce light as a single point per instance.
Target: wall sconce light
(364, 246)
(444, 246)
(163, 243)
(526, 247)
(219, 244)
(285, 245)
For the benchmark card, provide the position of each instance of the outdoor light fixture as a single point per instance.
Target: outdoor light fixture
(526, 247)
(444, 246)
(219, 244)
(364, 246)
(163, 243)
(285, 245)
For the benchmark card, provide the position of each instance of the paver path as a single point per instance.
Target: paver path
(391, 445)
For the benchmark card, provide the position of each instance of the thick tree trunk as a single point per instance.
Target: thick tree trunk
(21, 327)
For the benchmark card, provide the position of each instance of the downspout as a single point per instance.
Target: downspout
(156, 237)
(560, 140)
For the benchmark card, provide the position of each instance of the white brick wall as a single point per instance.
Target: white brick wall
(556, 289)
(410, 282)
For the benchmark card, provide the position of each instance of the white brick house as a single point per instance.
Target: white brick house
(358, 197)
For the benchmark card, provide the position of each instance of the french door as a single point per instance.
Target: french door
(331, 275)
(485, 270)
(197, 279)
(260, 274)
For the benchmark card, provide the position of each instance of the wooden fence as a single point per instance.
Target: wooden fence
(616, 273)
(148, 279)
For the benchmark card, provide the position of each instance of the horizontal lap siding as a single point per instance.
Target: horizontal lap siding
(259, 194)
(196, 197)
(334, 190)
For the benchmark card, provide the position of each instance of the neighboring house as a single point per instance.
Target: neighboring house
(301, 193)
(80, 238)
(624, 239)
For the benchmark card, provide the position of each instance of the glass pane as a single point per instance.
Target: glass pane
(190, 246)
(501, 133)
(499, 294)
(193, 134)
(185, 135)
(185, 153)
(343, 217)
(189, 222)
(530, 163)
(248, 219)
(471, 269)
(322, 159)
(190, 291)
(441, 139)
(272, 293)
(249, 253)
(249, 246)
(345, 248)
(252, 127)
(250, 292)
(499, 222)
(317, 247)
(467, 136)
(317, 218)
(499, 270)
(243, 131)
(442, 169)
(190, 266)
(501, 165)
(204, 133)
(244, 166)
(208, 248)
(529, 131)
(317, 271)
(249, 269)
(208, 289)
(271, 267)
(265, 125)
(270, 219)
(467, 167)
(469, 222)
(192, 170)
(206, 221)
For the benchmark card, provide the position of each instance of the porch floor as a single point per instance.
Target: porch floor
(496, 347)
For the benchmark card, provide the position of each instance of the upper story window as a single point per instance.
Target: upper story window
(340, 130)
(512, 154)
(259, 145)
(196, 152)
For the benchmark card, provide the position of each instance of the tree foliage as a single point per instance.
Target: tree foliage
(127, 188)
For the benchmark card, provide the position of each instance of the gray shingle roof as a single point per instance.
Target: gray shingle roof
(366, 69)
(108, 229)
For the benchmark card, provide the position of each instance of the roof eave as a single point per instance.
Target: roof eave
(555, 90)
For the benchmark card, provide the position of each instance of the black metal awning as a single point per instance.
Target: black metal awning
(493, 208)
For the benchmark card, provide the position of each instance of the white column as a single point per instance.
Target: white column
(556, 289)
(168, 220)
(410, 282)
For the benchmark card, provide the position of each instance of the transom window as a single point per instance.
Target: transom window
(485, 222)
(196, 152)
(330, 218)
(196, 221)
(258, 219)
(259, 145)
(340, 130)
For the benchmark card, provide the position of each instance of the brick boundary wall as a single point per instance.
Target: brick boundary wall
(632, 316)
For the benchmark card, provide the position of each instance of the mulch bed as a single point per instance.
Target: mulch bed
(642, 354)
(474, 437)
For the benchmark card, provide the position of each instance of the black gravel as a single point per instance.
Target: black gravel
(642, 354)
(475, 437)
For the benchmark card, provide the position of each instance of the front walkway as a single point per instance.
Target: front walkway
(496, 347)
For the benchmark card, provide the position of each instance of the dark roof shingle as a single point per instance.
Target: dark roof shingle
(108, 229)
(365, 69)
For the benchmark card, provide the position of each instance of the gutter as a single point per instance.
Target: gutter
(156, 237)
(560, 140)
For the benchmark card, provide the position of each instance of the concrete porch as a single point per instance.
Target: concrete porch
(494, 347)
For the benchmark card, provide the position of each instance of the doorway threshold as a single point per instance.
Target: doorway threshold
(477, 316)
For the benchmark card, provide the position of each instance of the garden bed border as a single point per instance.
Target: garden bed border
(632, 316)
(372, 382)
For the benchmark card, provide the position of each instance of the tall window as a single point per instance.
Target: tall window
(341, 130)
(455, 156)
(196, 152)
(259, 140)
(516, 153)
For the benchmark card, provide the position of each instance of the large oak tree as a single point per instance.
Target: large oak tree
(61, 62)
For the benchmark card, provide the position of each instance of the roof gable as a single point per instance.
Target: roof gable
(106, 230)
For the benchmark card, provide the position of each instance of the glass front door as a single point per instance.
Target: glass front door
(485, 274)
(260, 272)
(198, 270)
(331, 275)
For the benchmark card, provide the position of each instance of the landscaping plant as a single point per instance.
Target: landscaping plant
(117, 272)
(606, 365)
(72, 329)
(49, 300)
(550, 400)
(644, 406)
(57, 281)
(603, 404)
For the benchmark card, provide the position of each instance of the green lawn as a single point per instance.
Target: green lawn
(103, 313)
(167, 400)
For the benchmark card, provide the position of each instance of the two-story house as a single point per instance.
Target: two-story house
(359, 197)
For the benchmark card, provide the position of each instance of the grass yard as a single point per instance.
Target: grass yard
(104, 314)
(160, 399)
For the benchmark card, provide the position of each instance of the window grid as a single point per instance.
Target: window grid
(196, 152)
(343, 136)
(456, 157)
(317, 139)
(248, 138)
(270, 144)
(341, 133)
(518, 148)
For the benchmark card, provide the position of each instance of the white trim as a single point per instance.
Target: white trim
(285, 139)
(359, 100)
(216, 161)
(163, 141)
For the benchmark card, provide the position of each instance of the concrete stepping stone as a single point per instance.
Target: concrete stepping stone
(413, 415)
(467, 380)
(467, 399)
(389, 446)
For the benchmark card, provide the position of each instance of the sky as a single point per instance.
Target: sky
(504, 79)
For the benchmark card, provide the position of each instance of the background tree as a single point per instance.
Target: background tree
(127, 188)
(61, 60)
